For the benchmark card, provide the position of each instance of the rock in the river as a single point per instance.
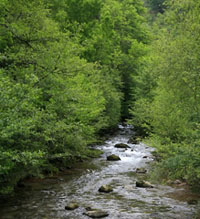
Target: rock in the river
(145, 156)
(177, 182)
(192, 202)
(133, 140)
(141, 170)
(121, 145)
(105, 188)
(71, 206)
(89, 208)
(169, 182)
(144, 184)
(113, 157)
(95, 213)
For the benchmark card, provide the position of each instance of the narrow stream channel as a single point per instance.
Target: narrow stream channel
(47, 199)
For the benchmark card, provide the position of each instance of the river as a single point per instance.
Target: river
(47, 198)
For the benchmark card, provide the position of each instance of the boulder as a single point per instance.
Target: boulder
(145, 156)
(141, 170)
(144, 184)
(95, 213)
(113, 157)
(71, 206)
(105, 188)
(121, 145)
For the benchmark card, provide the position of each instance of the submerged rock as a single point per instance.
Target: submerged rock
(141, 170)
(105, 188)
(95, 213)
(71, 206)
(144, 184)
(113, 157)
(121, 145)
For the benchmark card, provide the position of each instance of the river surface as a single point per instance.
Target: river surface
(45, 199)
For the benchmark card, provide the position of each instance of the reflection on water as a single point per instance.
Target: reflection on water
(47, 199)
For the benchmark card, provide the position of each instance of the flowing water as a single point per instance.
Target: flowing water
(47, 199)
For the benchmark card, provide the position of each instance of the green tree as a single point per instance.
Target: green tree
(64, 66)
(172, 104)
(51, 101)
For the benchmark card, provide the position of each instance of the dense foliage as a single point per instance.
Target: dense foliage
(65, 75)
(69, 70)
(156, 6)
(168, 104)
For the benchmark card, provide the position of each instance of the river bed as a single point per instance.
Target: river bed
(47, 198)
